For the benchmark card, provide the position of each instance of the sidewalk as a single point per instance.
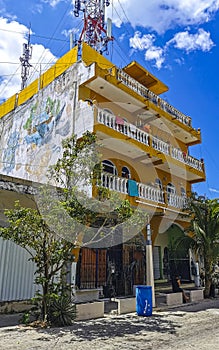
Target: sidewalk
(8, 320)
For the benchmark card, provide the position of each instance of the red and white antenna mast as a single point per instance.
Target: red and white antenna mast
(95, 33)
(25, 65)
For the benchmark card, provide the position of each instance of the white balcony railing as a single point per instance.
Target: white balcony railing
(151, 193)
(176, 201)
(122, 126)
(160, 145)
(140, 89)
(114, 183)
(186, 159)
(120, 184)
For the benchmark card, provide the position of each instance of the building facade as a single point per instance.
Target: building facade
(145, 152)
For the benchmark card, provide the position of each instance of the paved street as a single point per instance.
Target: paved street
(193, 326)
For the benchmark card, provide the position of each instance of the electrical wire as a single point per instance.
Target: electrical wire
(33, 34)
(8, 82)
(48, 63)
(49, 41)
(149, 67)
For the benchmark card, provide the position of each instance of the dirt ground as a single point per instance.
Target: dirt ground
(187, 327)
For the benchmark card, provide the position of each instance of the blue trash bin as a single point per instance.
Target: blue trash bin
(144, 300)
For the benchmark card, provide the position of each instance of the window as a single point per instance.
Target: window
(109, 167)
(171, 191)
(158, 183)
(126, 172)
(107, 180)
(183, 192)
(171, 188)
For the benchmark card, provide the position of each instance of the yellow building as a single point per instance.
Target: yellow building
(145, 155)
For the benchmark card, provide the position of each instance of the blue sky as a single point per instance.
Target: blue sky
(177, 40)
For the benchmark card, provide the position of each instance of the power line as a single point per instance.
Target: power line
(61, 19)
(8, 82)
(32, 34)
(129, 33)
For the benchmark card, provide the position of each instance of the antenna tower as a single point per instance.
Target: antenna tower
(25, 65)
(94, 32)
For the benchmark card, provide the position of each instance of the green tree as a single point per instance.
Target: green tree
(204, 236)
(27, 228)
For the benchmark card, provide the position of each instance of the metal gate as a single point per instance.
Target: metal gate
(91, 268)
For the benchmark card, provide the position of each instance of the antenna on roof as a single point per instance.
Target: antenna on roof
(25, 65)
(95, 33)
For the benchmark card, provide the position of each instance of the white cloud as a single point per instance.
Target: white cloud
(146, 42)
(122, 37)
(214, 190)
(139, 42)
(191, 42)
(37, 8)
(157, 54)
(161, 15)
(52, 3)
(12, 37)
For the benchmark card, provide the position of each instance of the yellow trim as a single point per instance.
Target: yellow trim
(7, 106)
(28, 92)
(61, 65)
(90, 56)
(57, 69)
(144, 77)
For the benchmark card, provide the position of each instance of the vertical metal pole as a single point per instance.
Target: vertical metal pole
(149, 263)
(97, 268)
(71, 40)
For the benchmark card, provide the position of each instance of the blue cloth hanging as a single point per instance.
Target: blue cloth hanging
(132, 188)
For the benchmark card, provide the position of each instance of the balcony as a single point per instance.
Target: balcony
(145, 192)
(187, 159)
(123, 127)
(133, 132)
(176, 201)
(120, 88)
(146, 93)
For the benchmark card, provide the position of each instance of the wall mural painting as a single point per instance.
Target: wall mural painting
(9, 152)
(40, 125)
(36, 143)
(35, 131)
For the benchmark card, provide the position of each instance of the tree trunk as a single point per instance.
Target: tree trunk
(208, 277)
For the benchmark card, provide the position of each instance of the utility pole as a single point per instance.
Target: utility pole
(149, 262)
(95, 33)
(25, 65)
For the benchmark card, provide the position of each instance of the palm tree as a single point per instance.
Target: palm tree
(204, 234)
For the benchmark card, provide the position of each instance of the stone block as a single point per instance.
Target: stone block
(126, 305)
(85, 295)
(195, 295)
(174, 299)
(89, 311)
